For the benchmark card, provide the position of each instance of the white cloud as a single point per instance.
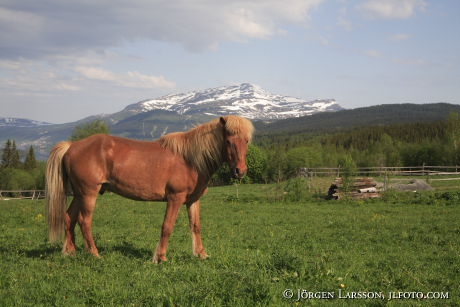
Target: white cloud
(132, 79)
(19, 26)
(136, 79)
(344, 20)
(391, 9)
(71, 74)
(373, 53)
(410, 61)
(67, 87)
(55, 27)
(245, 24)
(399, 37)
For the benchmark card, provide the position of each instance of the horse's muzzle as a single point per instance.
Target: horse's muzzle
(237, 173)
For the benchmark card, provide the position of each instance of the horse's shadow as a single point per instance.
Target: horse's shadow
(126, 249)
(129, 250)
(43, 251)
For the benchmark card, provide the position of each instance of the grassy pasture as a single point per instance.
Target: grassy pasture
(260, 246)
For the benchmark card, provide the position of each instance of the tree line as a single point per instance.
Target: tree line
(17, 174)
(274, 158)
(29, 173)
(412, 144)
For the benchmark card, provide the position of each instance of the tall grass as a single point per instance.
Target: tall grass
(261, 243)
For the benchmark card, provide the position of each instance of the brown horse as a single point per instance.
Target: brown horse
(176, 169)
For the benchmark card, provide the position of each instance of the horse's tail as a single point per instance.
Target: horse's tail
(56, 191)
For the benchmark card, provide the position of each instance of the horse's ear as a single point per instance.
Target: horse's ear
(223, 121)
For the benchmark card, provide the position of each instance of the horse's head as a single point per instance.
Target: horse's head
(236, 139)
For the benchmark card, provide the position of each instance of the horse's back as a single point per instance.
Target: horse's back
(106, 148)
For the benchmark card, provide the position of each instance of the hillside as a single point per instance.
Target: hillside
(360, 117)
(150, 119)
(151, 124)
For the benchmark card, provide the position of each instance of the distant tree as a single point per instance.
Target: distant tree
(453, 135)
(348, 170)
(453, 124)
(257, 163)
(15, 161)
(10, 155)
(30, 162)
(16, 179)
(300, 157)
(38, 174)
(276, 163)
(424, 154)
(6, 155)
(88, 129)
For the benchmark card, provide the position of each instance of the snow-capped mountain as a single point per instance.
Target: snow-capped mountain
(150, 119)
(244, 99)
(20, 122)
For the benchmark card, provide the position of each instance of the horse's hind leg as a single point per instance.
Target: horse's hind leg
(85, 220)
(195, 226)
(71, 217)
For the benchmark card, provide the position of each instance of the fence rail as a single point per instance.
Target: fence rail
(438, 177)
(21, 194)
(391, 171)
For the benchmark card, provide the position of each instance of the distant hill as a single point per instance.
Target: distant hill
(150, 124)
(360, 117)
(152, 118)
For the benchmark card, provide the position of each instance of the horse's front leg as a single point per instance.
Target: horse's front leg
(195, 226)
(172, 210)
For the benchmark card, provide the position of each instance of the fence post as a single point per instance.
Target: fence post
(22, 194)
(385, 180)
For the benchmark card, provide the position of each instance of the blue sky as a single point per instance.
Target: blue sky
(61, 61)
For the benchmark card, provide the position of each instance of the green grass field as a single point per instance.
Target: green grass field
(263, 248)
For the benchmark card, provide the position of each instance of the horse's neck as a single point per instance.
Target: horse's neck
(213, 164)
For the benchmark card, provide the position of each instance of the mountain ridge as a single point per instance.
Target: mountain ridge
(21, 122)
(151, 118)
(245, 99)
(379, 115)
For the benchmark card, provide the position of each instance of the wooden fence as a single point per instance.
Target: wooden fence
(388, 175)
(21, 194)
(388, 171)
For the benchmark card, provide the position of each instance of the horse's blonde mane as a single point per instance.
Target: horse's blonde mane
(240, 126)
(202, 146)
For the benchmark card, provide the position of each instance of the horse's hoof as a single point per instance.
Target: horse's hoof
(203, 256)
(159, 259)
(95, 253)
(69, 253)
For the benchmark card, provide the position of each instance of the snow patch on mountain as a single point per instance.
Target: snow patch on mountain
(244, 99)
(20, 122)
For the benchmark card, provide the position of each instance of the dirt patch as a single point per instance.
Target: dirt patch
(414, 185)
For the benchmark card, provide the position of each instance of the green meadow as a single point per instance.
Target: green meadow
(267, 249)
